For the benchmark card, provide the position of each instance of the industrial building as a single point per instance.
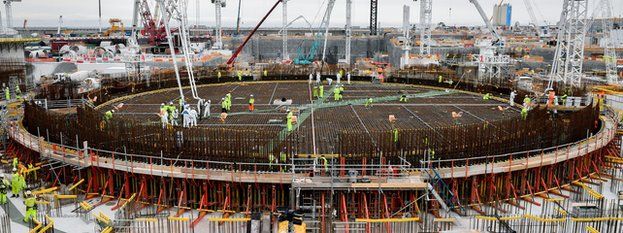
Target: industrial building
(167, 124)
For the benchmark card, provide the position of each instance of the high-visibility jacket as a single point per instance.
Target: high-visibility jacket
(395, 135)
(251, 100)
(30, 202)
(108, 115)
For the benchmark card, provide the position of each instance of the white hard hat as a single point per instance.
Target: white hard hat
(1, 175)
(28, 192)
(14, 169)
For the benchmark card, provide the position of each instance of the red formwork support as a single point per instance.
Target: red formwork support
(475, 196)
(366, 212)
(387, 214)
(162, 197)
(344, 211)
(124, 193)
(203, 205)
(322, 213)
(182, 197)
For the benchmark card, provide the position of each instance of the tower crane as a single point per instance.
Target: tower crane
(535, 22)
(284, 36)
(604, 9)
(491, 64)
(348, 31)
(426, 14)
(498, 40)
(9, 12)
(151, 27)
(569, 56)
(218, 4)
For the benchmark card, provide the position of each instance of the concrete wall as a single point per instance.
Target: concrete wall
(267, 48)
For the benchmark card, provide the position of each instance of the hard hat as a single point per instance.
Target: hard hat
(1, 175)
(162, 104)
(14, 169)
(28, 193)
(251, 94)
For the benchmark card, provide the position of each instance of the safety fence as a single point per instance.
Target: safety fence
(5, 222)
(56, 104)
(541, 129)
(547, 223)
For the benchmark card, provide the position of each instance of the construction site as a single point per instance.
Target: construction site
(161, 121)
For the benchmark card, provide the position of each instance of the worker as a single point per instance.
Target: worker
(181, 103)
(239, 74)
(526, 101)
(341, 91)
(395, 135)
(265, 73)
(31, 169)
(251, 103)
(31, 206)
(440, 79)
(318, 76)
(368, 102)
(564, 99)
(271, 159)
(171, 111)
(311, 77)
(206, 108)
(108, 115)
(511, 99)
(315, 91)
(283, 156)
(338, 76)
(524, 113)
(348, 78)
(321, 91)
(200, 104)
(17, 183)
(164, 117)
(7, 93)
(403, 98)
(15, 162)
(325, 163)
(18, 92)
(289, 120)
(550, 98)
(223, 105)
(486, 96)
(219, 75)
(329, 81)
(3, 191)
(336, 93)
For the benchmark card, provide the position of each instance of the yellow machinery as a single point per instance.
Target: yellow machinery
(116, 28)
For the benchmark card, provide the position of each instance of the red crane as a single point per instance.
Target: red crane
(233, 57)
(157, 34)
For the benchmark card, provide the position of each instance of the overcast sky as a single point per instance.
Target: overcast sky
(84, 12)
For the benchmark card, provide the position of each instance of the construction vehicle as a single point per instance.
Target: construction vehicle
(116, 28)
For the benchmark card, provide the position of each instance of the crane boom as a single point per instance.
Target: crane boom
(535, 22)
(482, 13)
(233, 57)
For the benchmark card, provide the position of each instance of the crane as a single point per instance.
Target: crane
(499, 41)
(426, 14)
(325, 25)
(218, 4)
(374, 4)
(233, 57)
(535, 22)
(569, 56)
(284, 36)
(176, 10)
(604, 9)
(348, 31)
(9, 12)
(154, 29)
(491, 63)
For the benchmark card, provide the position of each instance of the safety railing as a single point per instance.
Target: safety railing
(5, 222)
(56, 104)
(281, 172)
